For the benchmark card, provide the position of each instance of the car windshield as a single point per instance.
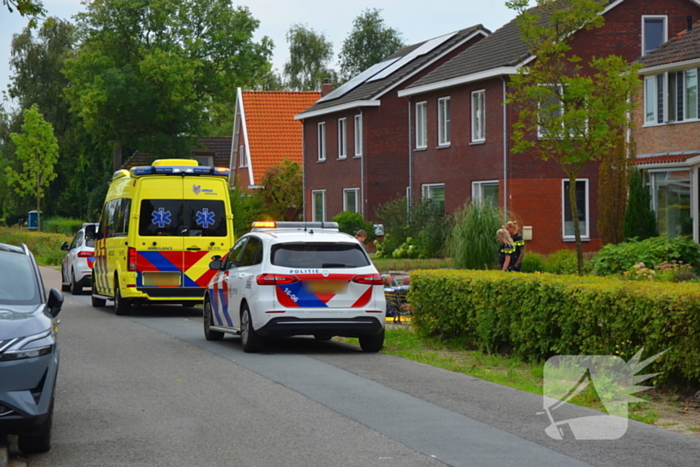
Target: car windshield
(319, 255)
(17, 283)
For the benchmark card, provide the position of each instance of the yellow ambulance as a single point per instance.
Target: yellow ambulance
(160, 226)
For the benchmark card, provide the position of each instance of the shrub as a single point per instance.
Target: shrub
(535, 316)
(46, 247)
(61, 225)
(351, 222)
(472, 243)
(533, 262)
(616, 259)
(640, 220)
(562, 262)
(246, 209)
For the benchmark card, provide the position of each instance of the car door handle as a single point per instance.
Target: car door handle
(193, 248)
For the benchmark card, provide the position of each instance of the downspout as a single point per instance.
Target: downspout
(409, 191)
(303, 173)
(505, 151)
(362, 165)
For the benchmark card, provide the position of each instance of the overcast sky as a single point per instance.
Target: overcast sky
(417, 20)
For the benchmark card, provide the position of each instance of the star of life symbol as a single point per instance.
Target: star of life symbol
(205, 218)
(615, 382)
(161, 218)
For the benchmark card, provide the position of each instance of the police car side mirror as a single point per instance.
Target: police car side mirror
(215, 264)
(65, 246)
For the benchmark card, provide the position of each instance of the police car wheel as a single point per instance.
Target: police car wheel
(121, 306)
(75, 289)
(372, 343)
(208, 333)
(250, 340)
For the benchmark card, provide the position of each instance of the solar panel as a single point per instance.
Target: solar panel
(417, 52)
(357, 80)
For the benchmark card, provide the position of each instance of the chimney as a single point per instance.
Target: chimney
(689, 20)
(326, 86)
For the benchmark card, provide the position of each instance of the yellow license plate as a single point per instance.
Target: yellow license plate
(160, 279)
(327, 286)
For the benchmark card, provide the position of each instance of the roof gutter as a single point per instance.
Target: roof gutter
(670, 67)
(337, 108)
(492, 73)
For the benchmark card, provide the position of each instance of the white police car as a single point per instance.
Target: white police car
(76, 267)
(295, 278)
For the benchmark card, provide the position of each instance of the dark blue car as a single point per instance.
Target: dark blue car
(29, 351)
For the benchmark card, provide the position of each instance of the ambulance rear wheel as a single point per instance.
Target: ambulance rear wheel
(121, 305)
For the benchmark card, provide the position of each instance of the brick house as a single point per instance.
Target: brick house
(667, 131)
(265, 133)
(211, 151)
(356, 149)
(461, 149)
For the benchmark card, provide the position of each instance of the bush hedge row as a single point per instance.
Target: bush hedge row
(535, 316)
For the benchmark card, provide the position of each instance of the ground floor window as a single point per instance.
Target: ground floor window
(436, 193)
(318, 209)
(486, 191)
(350, 197)
(581, 209)
(671, 202)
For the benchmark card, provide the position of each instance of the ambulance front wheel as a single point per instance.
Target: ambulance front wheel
(121, 305)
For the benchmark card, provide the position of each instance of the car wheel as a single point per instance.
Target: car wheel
(208, 320)
(372, 343)
(323, 337)
(121, 305)
(250, 340)
(65, 286)
(75, 289)
(40, 441)
(97, 302)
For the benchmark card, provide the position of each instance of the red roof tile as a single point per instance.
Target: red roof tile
(665, 159)
(273, 134)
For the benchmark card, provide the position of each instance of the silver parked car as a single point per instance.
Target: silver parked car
(29, 351)
(76, 267)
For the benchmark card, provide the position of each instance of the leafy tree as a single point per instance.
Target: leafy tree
(310, 54)
(246, 209)
(613, 180)
(30, 8)
(37, 149)
(369, 42)
(640, 220)
(155, 76)
(578, 113)
(283, 190)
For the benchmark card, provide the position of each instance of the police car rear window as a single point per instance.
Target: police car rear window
(318, 255)
(182, 218)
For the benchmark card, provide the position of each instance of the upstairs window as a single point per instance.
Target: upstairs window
(444, 121)
(358, 135)
(672, 97)
(421, 125)
(342, 139)
(479, 116)
(654, 32)
(322, 141)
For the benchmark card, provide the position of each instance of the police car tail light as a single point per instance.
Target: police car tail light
(85, 254)
(369, 279)
(276, 279)
(132, 259)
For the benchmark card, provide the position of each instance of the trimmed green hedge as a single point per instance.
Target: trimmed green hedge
(535, 316)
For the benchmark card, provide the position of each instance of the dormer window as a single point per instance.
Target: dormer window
(654, 32)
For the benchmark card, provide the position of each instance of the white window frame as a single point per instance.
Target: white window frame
(357, 199)
(686, 103)
(358, 135)
(479, 116)
(653, 17)
(206, 160)
(478, 188)
(313, 205)
(650, 83)
(444, 121)
(243, 158)
(342, 138)
(585, 233)
(421, 125)
(321, 141)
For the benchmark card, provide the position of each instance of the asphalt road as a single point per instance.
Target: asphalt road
(150, 390)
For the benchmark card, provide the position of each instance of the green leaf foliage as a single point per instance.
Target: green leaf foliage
(640, 220)
(283, 191)
(535, 316)
(472, 242)
(369, 42)
(310, 55)
(616, 259)
(351, 222)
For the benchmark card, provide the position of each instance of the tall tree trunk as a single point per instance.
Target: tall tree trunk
(574, 216)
